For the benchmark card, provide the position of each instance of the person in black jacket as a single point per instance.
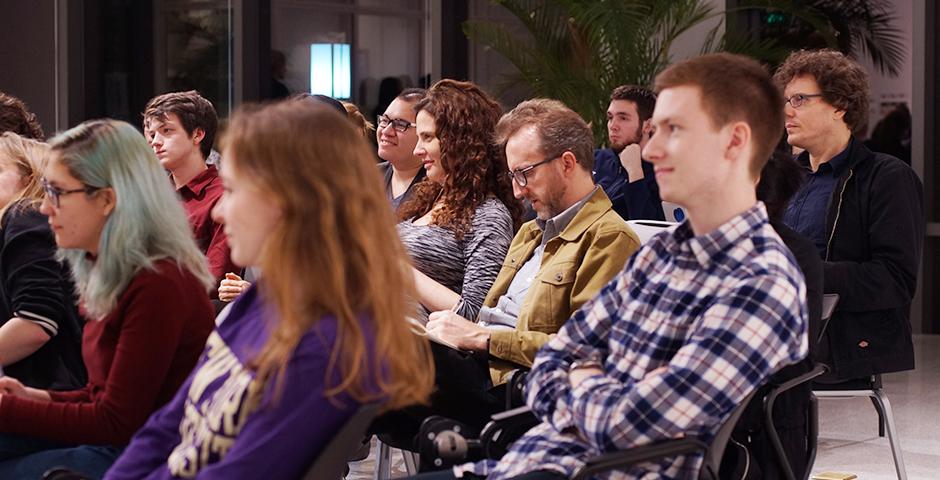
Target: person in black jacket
(779, 180)
(863, 210)
(40, 327)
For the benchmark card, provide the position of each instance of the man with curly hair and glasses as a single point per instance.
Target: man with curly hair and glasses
(863, 210)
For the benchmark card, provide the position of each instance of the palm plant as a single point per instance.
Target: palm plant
(860, 28)
(577, 51)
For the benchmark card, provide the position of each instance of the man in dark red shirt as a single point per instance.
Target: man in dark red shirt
(181, 127)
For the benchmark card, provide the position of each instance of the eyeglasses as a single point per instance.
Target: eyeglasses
(53, 193)
(798, 99)
(519, 174)
(398, 124)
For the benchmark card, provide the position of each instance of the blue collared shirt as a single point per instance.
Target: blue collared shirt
(806, 213)
(684, 333)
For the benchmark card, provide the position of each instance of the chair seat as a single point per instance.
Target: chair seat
(864, 383)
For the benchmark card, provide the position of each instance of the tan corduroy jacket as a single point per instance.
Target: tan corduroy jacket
(576, 264)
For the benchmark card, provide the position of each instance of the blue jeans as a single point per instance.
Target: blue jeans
(29, 457)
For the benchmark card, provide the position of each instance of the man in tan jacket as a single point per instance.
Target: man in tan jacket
(555, 264)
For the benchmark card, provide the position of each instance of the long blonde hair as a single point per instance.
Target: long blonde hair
(28, 156)
(335, 252)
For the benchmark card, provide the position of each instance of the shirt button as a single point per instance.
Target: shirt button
(557, 277)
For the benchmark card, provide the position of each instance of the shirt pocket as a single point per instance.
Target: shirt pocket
(552, 305)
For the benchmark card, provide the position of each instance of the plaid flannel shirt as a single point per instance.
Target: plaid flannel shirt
(685, 332)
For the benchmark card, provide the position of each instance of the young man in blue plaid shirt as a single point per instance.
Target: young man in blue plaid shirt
(702, 315)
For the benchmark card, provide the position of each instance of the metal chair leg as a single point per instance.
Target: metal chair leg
(885, 406)
(881, 417)
(411, 462)
(383, 461)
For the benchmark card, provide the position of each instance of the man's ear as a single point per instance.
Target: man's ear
(198, 135)
(569, 161)
(648, 127)
(838, 115)
(109, 199)
(739, 140)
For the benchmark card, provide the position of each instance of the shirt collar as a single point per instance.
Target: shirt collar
(201, 181)
(836, 163)
(552, 227)
(709, 247)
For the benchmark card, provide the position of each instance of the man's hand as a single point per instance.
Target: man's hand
(578, 375)
(631, 161)
(459, 331)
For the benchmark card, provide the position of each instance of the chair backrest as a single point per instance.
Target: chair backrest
(716, 450)
(331, 463)
(673, 212)
(645, 229)
(830, 301)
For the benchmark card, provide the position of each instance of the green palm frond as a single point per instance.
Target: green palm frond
(578, 51)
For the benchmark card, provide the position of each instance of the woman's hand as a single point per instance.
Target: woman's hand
(12, 387)
(231, 287)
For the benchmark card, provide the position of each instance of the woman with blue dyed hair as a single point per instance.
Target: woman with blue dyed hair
(141, 283)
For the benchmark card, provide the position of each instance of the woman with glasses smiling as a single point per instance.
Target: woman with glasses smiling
(142, 284)
(459, 223)
(41, 333)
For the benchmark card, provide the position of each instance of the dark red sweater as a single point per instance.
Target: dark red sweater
(137, 357)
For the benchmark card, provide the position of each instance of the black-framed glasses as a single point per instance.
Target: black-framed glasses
(53, 193)
(798, 99)
(400, 125)
(519, 174)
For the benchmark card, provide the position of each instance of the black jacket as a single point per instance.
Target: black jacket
(875, 232)
(35, 287)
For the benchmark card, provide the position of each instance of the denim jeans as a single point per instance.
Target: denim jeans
(28, 457)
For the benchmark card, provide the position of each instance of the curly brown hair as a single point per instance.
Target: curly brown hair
(15, 117)
(842, 82)
(465, 118)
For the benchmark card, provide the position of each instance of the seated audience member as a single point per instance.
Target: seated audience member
(703, 314)
(41, 333)
(779, 180)
(459, 223)
(182, 127)
(297, 358)
(555, 263)
(363, 126)
(15, 117)
(141, 282)
(863, 210)
(620, 170)
(396, 136)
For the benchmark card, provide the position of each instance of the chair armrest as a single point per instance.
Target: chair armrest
(515, 388)
(642, 454)
(771, 430)
(504, 429)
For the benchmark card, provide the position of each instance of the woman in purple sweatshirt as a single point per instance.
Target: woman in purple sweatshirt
(321, 333)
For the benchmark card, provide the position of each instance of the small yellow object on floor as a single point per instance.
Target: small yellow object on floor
(833, 476)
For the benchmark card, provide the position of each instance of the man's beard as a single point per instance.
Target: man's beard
(637, 136)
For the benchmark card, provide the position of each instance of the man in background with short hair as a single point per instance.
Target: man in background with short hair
(628, 179)
(181, 127)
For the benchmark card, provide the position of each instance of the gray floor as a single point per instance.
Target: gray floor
(848, 428)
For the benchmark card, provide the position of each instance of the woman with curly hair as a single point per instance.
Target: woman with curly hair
(458, 225)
